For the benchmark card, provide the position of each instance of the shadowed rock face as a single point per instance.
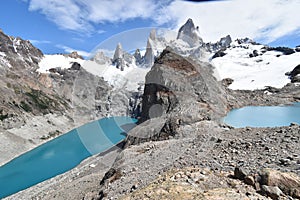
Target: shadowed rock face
(176, 77)
(177, 91)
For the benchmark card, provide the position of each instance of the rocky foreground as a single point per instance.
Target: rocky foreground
(181, 149)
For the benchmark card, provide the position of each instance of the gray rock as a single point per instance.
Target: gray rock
(273, 192)
(240, 173)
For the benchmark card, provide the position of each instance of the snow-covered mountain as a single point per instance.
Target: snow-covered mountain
(250, 65)
(255, 66)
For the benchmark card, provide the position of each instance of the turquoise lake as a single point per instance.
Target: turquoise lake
(263, 116)
(62, 153)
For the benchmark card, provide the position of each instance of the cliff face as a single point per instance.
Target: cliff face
(36, 105)
(178, 91)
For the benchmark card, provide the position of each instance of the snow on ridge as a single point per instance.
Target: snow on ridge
(257, 72)
(129, 79)
(56, 60)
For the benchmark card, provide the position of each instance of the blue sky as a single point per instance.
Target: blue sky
(57, 26)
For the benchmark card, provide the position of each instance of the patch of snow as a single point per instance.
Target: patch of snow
(257, 72)
(3, 60)
(129, 79)
(53, 61)
(16, 42)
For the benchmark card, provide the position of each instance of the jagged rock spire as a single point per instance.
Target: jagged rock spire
(118, 59)
(137, 56)
(149, 55)
(189, 33)
(118, 52)
(226, 41)
(153, 34)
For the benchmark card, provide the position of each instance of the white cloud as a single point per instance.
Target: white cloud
(265, 20)
(81, 15)
(37, 42)
(70, 50)
(101, 31)
(66, 14)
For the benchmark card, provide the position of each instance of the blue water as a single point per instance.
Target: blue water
(264, 116)
(62, 154)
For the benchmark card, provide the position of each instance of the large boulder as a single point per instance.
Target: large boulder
(289, 183)
(178, 90)
(294, 74)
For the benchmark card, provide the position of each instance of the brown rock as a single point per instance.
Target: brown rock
(249, 180)
(289, 183)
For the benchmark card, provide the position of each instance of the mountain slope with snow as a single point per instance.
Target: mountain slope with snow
(250, 72)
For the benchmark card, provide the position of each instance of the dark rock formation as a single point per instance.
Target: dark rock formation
(75, 66)
(138, 57)
(284, 50)
(219, 46)
(254, 54)
(294, 74)
(219, 53)
(240, 173)
(177, 84)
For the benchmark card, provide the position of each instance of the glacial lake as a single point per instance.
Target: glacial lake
(62, 153)
(263, 116)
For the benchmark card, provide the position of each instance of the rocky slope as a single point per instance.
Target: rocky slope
(184, 123)
(36, 107)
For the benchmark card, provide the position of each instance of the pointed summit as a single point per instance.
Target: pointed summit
(149, 55)
(118, 59)
(189, 33)
(118, 52)
(138, 57)
(153, 34)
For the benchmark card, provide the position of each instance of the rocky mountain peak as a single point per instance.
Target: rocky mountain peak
(101, 58)
(121, 58)
(75, 55)
(138, 57)
(18, 53)
(225, 41)
(118, 52)
(189, 33)
(153, 34)
(149, 55)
